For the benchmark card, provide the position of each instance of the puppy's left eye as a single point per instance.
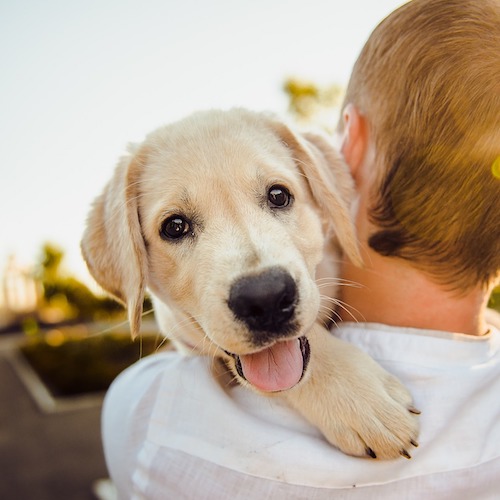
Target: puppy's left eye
(174, 228)
(278, 197)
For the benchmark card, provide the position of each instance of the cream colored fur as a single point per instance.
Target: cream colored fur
(215, 167)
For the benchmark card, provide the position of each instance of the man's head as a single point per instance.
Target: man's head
(424, 99)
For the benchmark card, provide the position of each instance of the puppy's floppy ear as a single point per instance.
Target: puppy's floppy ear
(112, 244)
(330, 182)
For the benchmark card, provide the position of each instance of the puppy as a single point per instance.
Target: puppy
(228, 218)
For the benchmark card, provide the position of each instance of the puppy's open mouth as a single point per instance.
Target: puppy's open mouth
(276, 368)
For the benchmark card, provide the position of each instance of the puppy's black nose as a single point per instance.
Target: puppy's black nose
(265, 302)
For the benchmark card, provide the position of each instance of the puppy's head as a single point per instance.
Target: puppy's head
(223, 216)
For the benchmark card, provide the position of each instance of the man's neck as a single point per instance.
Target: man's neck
(391, 292)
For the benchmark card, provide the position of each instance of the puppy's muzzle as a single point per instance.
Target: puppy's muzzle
(265, 303)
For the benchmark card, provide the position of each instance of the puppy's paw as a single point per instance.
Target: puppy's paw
(377, 418)
(355, 403)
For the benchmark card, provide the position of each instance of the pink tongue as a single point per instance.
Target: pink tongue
(276, 368)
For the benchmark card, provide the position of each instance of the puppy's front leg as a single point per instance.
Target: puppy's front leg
(355, 403)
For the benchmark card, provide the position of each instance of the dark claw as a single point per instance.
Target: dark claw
(414, 443)
(370, 452)
(413, 410)
(405, 454)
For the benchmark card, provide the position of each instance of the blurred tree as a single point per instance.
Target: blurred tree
(311, 103)
(50, 264)
(64, 297)
(494, 302)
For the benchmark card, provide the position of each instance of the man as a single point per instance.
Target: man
(420, 130)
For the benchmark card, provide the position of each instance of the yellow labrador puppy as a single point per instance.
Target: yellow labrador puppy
(228, 218)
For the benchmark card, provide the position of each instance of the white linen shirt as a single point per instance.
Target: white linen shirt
(171, 430)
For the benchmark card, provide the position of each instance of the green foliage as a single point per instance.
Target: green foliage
(51, 260)
(65, 293)
(77, 366)
(68, 360)
(309, 102)
(494, 302)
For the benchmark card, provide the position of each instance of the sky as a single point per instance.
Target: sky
(79, 79)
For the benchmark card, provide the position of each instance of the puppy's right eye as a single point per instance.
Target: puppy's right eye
(279, 197)
(174, 227)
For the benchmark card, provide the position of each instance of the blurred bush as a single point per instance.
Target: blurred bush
(71, 364)
(494, 302)
(64, 298)
(309, 102)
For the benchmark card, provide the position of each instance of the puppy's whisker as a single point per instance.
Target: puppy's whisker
(161, 344)
(204, 344)
(185, 321)
(326, 307)
(339, 281)
(334, 301)
(331, 312)
(326, 282)
(348, 309)
(174, 329)
(117, 326)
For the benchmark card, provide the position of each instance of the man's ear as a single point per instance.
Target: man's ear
(112, 244)
(354, 140)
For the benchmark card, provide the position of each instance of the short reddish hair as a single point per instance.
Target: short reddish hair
(428, 83)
